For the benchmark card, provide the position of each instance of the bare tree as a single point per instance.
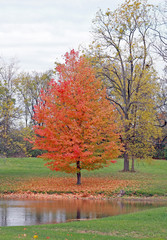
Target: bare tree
(9, 108)
(28, 87)
(160, 46)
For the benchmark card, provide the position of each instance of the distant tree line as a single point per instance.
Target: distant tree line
(19, 92)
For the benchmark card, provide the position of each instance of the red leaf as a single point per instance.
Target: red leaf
(75, 122)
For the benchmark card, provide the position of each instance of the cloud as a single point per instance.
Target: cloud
(39, 32)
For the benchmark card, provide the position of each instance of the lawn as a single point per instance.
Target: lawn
(30, 174)
(148, 224)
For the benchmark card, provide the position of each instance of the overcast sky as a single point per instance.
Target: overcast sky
(38, 32)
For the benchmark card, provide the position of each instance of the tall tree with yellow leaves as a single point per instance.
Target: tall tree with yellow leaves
(120, 53)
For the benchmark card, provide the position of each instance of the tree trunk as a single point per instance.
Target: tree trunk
(126, 162)
(126, 154)
(133, 164)
(78, 173)
(79, 178)
(78, 213)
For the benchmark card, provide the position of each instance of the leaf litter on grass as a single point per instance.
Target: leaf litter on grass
(64, 185)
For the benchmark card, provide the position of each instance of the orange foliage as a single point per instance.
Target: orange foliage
(90, 186)
(76, 124)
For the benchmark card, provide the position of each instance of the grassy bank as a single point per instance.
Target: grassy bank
(149, 224)
(30, 174)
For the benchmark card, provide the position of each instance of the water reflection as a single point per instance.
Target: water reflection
(31, 212)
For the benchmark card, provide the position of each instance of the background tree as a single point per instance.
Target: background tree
(160, 45)
(161, 145)
(160, 31)
(120, 53)
(75, 122)
(28, 86)
(9, 109)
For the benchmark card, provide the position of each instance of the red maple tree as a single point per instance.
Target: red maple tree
(75, 122)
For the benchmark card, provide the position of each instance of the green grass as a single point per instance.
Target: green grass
(23, 167)
(29, 167)
(152, 178)
(149, 224)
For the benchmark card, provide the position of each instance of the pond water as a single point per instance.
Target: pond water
(33, 212)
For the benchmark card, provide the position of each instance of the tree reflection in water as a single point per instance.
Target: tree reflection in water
(31, 212)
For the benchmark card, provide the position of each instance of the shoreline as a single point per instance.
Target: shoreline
(45, 196)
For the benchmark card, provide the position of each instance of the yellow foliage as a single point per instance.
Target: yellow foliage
(123, 62)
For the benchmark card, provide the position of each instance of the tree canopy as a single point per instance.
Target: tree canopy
(75, 122)
(121, 54)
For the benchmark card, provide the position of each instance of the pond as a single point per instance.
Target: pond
(33, 212)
